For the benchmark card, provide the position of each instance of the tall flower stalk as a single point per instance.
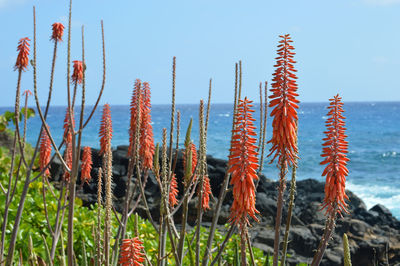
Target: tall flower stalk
(334, 151)
(243, 165)
(284, 134)
(105, 150)
(21, 64)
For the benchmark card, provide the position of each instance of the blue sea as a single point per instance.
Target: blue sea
(373, 131)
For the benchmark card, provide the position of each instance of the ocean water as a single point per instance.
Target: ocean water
(373, 131)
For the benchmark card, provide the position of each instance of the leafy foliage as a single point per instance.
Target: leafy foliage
(8, 116)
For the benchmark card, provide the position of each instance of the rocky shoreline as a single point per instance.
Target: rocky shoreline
(374, 234)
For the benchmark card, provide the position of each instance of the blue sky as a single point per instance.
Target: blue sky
(349, 47)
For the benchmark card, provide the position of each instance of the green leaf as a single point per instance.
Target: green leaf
(30, 112)
(191, 257)
(188, 132)
(9, 115)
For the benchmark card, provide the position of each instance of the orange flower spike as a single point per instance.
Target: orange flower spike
(27, 93)
(58, 30)
(243, 164)
(45, 152)
(147, 147)
(67, 129)
(105, 129)
(173, 191)
(68, 160)
(284, 101)
(132, 252)
(192, 147)
(334, 151)
(205, 200)
(133, 107)
(22, 58)
(77, 75)
(86, 165)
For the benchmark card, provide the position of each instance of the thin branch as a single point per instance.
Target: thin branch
(16, 117)
(208, 106)
(289, 214)
(330, 226)
(279, 207)
(222, 247)
(116, 216)
(240, 80)
(104, 78)
(171, 132)
(224, 186)
(264, 126)
(261, 120)
(178, 127)
(251, 250)
(146, 206)
(46, 214)
(58, 223)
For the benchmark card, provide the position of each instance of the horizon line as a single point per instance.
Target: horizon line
(218, 103)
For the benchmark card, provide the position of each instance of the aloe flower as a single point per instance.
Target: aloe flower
(27, 93)
(22, 58)
(173, 191)
(133, 110)
(66, 126)
(243, 164)
(58, 30)
(284, 124)
(334, 151)
(86, 165)
(147, 148)
(132, 252)
(45, 152)
(105, 130)
(68, 160)
(77, 75)
(192, 148)
(205, 199)
(284, 102)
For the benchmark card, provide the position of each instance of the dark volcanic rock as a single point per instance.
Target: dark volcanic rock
(374, 235)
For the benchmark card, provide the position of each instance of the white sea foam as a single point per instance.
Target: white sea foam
(377, 194)
(389, 154)
(224, 115)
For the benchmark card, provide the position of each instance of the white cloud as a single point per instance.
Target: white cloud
(382, 2)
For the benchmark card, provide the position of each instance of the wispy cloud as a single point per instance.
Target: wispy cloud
(6, 3)
(382, 2)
